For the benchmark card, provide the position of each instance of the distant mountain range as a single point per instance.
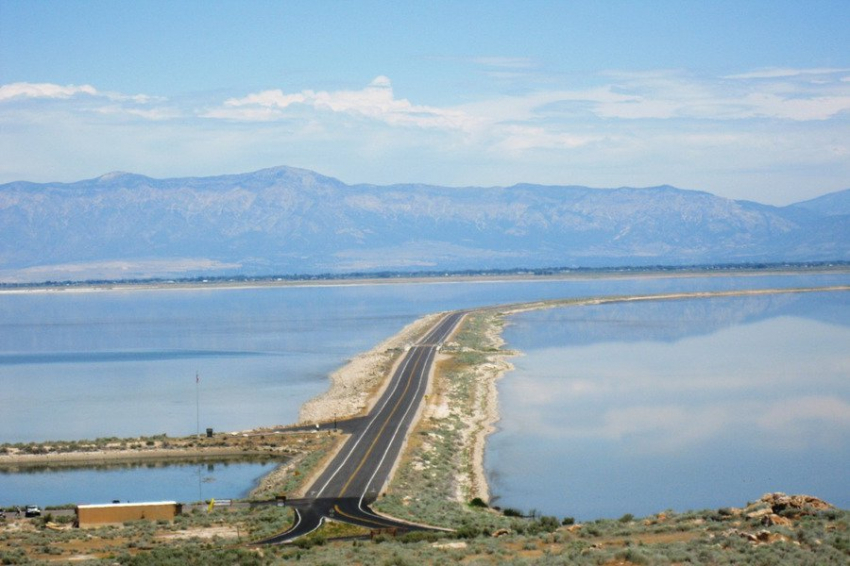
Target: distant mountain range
(292, 221)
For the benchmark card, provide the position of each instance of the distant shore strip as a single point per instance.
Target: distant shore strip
(508, 276)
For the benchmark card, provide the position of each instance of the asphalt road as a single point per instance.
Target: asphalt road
(358, 473)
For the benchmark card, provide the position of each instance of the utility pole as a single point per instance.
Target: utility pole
(197, 405)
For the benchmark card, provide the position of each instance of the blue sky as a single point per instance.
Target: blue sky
(742, 99)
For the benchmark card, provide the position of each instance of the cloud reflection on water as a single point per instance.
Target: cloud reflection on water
(770, 386)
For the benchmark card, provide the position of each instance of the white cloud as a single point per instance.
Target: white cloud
(787, 423)
(656, 95)
(722, 134)
(86, 98)
(787, 416)
(672, 95)
(59, 92)
(267, 98)
(517, 138)
(156, 113)
(775, 73)
(669, 427)
(43, 90)
(376, 101)
(559, 119)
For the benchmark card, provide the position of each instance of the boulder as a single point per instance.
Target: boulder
(758, 511)
(773, 519)
(794, 505)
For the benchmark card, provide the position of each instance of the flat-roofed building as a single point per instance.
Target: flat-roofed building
(116, 513)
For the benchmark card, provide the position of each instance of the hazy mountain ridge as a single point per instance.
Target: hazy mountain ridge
(286, 220)
(832, 204)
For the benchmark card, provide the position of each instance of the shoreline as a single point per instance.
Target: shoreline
(358, 384)
(126, 456)
(497, 365)
(9, 288)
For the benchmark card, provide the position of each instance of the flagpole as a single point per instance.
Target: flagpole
(197, 405)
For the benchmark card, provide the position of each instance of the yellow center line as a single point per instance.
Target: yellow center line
(361, 519)
(386, 422)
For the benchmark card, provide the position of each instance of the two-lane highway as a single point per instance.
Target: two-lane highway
(358, 473)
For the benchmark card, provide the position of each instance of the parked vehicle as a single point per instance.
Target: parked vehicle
(32, 511)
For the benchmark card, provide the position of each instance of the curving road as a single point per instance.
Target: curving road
(358, 473)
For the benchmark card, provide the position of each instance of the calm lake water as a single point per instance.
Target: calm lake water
(181, 481)
(123, 363)
(641, 407)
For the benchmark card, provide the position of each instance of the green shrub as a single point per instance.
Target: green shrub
(16, 556)
(192, 555)
(545, 524)
(468, 531)
(633, 556)
(420, 536)
(397, 560)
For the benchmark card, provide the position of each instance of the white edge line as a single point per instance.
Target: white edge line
(386, 400)
(378, 412)
(316, 528)
(298, 520)
(429, 359)
(431, 355)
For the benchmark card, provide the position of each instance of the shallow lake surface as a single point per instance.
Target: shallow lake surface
(690, 404)
(123, 363)
(174, 481)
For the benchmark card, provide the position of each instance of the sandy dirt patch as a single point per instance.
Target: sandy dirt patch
(222, 531)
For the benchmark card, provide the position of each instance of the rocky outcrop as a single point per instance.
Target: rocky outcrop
(780, 505)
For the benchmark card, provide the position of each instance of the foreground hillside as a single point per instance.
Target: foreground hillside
(777, 529)
(285, 221)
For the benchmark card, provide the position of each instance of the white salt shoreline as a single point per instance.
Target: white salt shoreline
(359, 383)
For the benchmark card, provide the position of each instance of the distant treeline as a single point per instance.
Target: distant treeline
(519, 271)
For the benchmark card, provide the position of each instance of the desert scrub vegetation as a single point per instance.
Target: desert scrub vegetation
(69, 446)
(803, 536)
(696, 538)
(158, 447)
(193, 554)
(291, 477)
(214, 535)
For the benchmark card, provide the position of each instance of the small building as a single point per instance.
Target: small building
(116, 513)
